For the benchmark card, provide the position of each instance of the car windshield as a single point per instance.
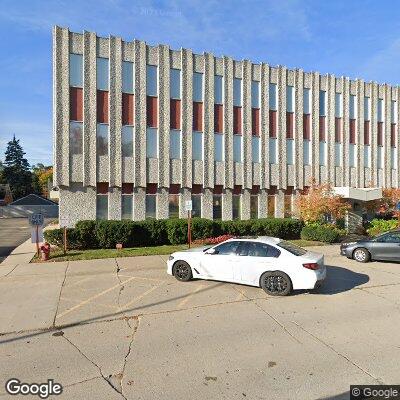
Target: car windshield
(292, 248)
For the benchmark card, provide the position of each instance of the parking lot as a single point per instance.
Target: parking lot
(123, 328)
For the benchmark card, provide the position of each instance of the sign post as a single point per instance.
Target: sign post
(64, 223)
(37, 222)
(189, 208)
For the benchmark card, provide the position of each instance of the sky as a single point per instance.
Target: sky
(354, 38)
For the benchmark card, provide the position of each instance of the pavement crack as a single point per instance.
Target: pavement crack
(338, 353)
(122, 286)
(59, 295)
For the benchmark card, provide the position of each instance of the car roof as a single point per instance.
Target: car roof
(261, 239)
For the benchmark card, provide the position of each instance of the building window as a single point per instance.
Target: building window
(197, 191)
(127, 201)
(218, 118)
(151, 143)
(322, 128)
(352, 107)
(366, 156)
(236, 202)
(352, 155)
(218, 147)
(393, 135)
(306, 126)
(237, 92)
(366, 132)
(173, 201)
(352, 136)
(322, 103)
(255, 149)
(102, 73)
(237, 120)
(306, 101)
(255, 94)
(128, 82)
(127, 141)
(175, 85)
(218, 89)
(237, 148)
(322, 153)
(76, 104)
(175, 145)
(127, 109)
(102, 139)
(290, 151)
(290, 99)
(152, 111)
(198, 116)
(393, 157)
(197, 87)
(272, 124)
(254, 202)
(175, 114)
(76, 70)
(380, 134)
(255, 121)
(272, 97)
(367, 109)
(393, 113)
(102, 107)
(151, 81)
(102, 200)
(380, 110)
(151, 200)
(75, 137)
(272, 150)
(288, 202)
(197, 146)
(271, 202)
(217, 202)
(338, 130)
(306, 152)
(380, 157)
(338, 105)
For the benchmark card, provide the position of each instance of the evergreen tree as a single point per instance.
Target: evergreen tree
(16, 170)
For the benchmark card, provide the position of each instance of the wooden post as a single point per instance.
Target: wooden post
(189, 229)
(65, 240)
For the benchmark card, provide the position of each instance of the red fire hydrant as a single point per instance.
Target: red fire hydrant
(45, 249)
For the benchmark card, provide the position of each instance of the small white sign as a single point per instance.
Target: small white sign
(188, 205)
(37, 234)
(65, 223)
(36, 219)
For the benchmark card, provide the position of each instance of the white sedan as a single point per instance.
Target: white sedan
(275, 265)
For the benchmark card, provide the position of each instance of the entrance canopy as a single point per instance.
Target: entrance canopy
(361, 194)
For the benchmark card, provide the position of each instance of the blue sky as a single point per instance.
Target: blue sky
(343, 37)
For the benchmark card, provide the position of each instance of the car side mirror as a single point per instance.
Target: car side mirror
(211, 251)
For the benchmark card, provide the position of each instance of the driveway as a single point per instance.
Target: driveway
(123, 329)
(13, 232)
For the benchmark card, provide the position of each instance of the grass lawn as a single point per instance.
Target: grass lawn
(73, 255)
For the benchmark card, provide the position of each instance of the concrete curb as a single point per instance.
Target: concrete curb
(22, 254)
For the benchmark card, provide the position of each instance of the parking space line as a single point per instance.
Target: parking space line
(79, 282)
(81, 304)
(141, 277)
(97, 303)
(186, 299)
(140, 296)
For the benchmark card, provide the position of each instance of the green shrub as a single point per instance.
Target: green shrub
(56, 238)
(109, 233)
(151, 232)
(177, 231)
(378, 226)
(86, 230)
(322, 233)
(203, 228)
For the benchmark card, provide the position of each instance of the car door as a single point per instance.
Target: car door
(256, 258)
(387, 247)
(220, 264)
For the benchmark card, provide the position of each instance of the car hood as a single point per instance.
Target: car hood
(193, 250)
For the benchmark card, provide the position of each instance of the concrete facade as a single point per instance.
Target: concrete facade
(77, 175)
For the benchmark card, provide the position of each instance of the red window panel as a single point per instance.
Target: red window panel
(352, 137)
(151, 188)
(175, 114)
(237, 120)
(152, 111)
(76, 104)
(305, 190)
(127, 188)
(102, 187)
(380, 133)
(338, 130)
(174, 189)
(306, 126)
(127, 109)
(255, 189)
(218, 118)
(289, 190)
(393, 135)
(237, 189)
(198, 116)
(197, 189)
(272, 190)
(255, 121)
(272, 123)
(322, 128)
(102, 106)
(289, 125)
(218, 189)
(366, 132)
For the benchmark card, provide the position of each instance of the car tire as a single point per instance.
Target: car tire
(276, 283)
(182, 271)
(361, 255)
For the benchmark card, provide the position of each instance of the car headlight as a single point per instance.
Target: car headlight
(170, 258)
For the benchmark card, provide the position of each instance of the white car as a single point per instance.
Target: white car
(275, 265)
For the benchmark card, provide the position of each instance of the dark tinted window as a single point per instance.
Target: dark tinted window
(227, 248)
(255, 249)
(390, 238)
(292, 248)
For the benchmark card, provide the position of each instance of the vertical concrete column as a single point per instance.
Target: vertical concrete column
(185, 196)
(163, 117)
(346, 133)
(227, 205)
(61, 106)
(139, 145)
(89, 110)
(280, 204)
(245, 212)
(298, 131)
(115, 158)
(281, 127)
(139, 203)
(314, 144)
(330, 131)
(228, 123)
(162, 203)
(114, 203)
(374, 134)
(264, 134)
(207, 206)
(247, 126)
(397, 97)
(387, 167)
(263, 203)
(360, 134)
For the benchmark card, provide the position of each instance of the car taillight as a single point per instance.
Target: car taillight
(312, 266)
